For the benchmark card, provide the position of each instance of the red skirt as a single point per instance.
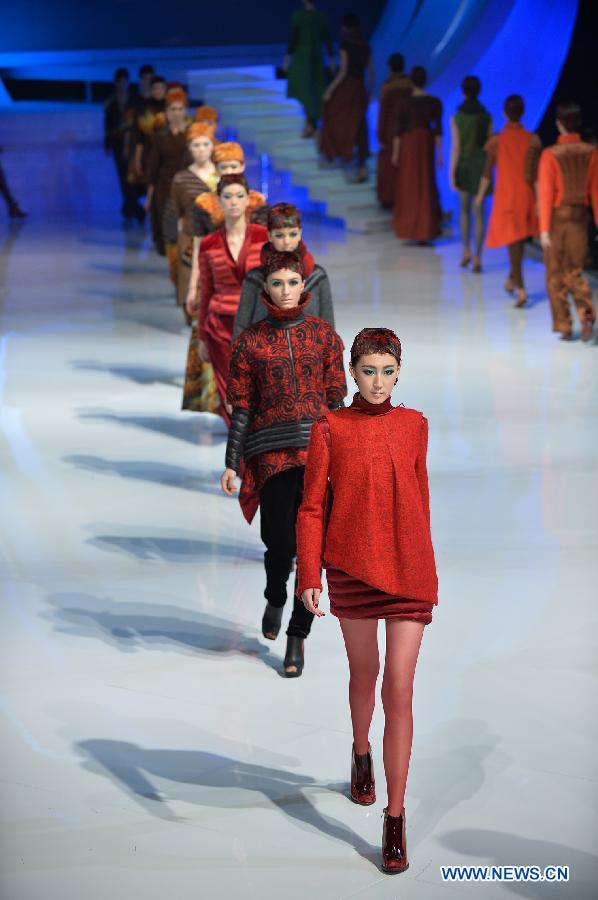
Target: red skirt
(416, 213)
(342, 117)
(353, 599)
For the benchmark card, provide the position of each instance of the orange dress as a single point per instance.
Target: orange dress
(515, 153)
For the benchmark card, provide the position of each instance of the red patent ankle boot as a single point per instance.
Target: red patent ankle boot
(394, 843)
(363, 784)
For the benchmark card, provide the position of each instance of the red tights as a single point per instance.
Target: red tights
(403, 640)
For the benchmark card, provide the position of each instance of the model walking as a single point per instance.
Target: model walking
(344, 115)
(168, 154)
(225, 257)
(567, 185)
(515, 153)
(366, 474)
(471, 127)
(286, 371)
(197, 178)
(394, 90)
(284, 236)
(304, 63)
(416, 152)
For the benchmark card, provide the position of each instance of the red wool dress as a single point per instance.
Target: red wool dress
(220, 279)
(377, 547)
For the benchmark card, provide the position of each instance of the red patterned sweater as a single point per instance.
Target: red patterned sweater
(286, 371)
(379, 526)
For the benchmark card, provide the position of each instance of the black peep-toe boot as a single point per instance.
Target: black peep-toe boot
(294, 658)
(271, 621)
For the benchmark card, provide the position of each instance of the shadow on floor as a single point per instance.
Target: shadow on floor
(156, 473)
(138, 374)
(179, 548)
(212, 781)
(130, 627)
(199, 429)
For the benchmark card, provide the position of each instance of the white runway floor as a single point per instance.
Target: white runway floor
(150, 749)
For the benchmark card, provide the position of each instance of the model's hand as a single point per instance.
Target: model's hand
(545, 240)
(311, 601)
(394, 160)
(191, 304)
(479, 199)
(327, 95)
(228, 482)
(203, 351)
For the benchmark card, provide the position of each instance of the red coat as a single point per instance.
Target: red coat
(379, 526)
(220, 277)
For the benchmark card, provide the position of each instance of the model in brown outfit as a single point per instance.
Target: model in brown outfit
(168, 154)
(396, 88)
(567, 185)
(416, 150)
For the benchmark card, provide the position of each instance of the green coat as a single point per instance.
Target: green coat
(473, 124)
(307, 76)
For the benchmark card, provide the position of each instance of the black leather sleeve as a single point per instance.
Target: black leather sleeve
(239, 426)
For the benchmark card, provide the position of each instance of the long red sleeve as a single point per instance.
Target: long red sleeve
(206, 286)
(548, 174)
(312, 513)
(421, 469)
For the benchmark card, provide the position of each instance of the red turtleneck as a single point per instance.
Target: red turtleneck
(379, 526)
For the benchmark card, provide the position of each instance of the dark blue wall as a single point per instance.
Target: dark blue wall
(107, 24)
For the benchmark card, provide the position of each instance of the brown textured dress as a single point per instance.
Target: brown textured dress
(416, 211)
(168, 153)
(186, 187)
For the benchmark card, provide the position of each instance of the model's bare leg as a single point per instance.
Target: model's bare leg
(361, 641)
(465, 225)
(403, 640)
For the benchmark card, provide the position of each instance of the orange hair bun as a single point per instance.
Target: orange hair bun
(199, 130)
(227, 151)
(176, 95)
(206, 114)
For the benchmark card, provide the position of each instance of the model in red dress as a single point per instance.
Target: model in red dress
(515, 152)
(225, 257)
(286, 371)
(376, 546)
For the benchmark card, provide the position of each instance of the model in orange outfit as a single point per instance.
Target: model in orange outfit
(515, 153)
(567, 185)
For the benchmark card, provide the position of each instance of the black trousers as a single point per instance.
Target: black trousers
(130, 207)
(280, 499)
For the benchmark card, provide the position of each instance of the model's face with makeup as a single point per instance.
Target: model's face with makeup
(201, 150)
(233, 201)
(285, 288)
(285, 240)
(175, 113)
(376, 374)
(230, 167)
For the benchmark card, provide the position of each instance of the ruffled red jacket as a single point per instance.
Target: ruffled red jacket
(220, 277)
(379, 525)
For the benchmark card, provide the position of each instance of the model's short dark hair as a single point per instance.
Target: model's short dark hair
(146, 69)
(419, 76)
(232, 178)
(471, 87)
(375, 340)
(121, 73)
(158, 79)
(396, 62)
(568, 114)
(514, 107)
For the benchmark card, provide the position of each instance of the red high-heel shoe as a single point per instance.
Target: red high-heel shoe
(394, 843)
(363, 783)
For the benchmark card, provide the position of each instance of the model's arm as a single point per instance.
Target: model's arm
(490, 150)
(371, 77)
(455, 150)
(247, 303)
(400, 128)
(206, 286)
(340, 76)
(312, 513)
(421, 469)
(326, 309)
(153, 165)
(241, 395)
(547, 175)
